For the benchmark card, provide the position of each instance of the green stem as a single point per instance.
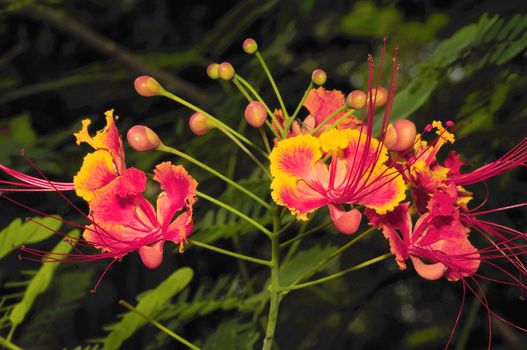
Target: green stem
(333, 255)
(307, 233)
(216, 121)
(275, 284)
(235, 212)
(338, 274)
(7, 344)
(260, 99)
(241, 264)
(249, 153)
(273, 84)
(331, 116)
(300, 104)
(205, 167)
(265, 140)
(228, 252)
(158, 325)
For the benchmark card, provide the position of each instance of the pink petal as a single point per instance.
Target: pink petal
(152, 255)
(345, 222)
(179, 190)
(321, 103)
(429, 272)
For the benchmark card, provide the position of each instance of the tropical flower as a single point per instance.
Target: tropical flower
(356, 174)
(121, 219)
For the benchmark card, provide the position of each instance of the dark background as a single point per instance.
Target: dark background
(58, 65)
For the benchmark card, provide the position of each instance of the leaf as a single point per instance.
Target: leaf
(303, 262)
(150, 303)
(40, 282)
(18, 233)
(232, 334)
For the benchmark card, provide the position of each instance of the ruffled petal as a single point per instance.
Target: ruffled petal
(384, 189)
(397, 220)
(106, 139)
(321, 103)
(299, 199)
(97, 170)
(295, 157)
(179, 191)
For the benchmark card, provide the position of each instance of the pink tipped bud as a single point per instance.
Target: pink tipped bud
(356, 99)
(250, 46)
(319, 77)
(449, 123)
(142, 138)
(380, 96)
(226, 71)
(199, 124)
(147, 86)
(255, 114)
(212, 71)
(400, 135)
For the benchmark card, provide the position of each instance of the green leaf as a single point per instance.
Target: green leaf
(150, 303)
(18, 233)
(303, 262)
(40, 282)
(232, 334)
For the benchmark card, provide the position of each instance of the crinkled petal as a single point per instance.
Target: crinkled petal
(295, 157)
(321, 103)
(97, 170)
(300, 199)
(384, 190)
(107, 139)
(397, 220)
(179, 191)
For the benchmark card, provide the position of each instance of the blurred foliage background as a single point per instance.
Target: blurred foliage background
(62, 61)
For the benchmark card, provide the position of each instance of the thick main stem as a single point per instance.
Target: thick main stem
(275, 284)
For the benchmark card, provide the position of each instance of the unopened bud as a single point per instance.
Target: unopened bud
(199, 124)
(255, 114)
(147, 86)
(449, 123)
(319, 77)
(400, 135)
(212, 71)
(142, 138)
(226, 71)
(356, 99)
(379, 96)
(250, 46)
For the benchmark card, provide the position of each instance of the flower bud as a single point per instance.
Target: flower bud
(319, 77)
(356, 99)
(199, 124)
(212, 71)
(379, 96)
(142, 138)
(255, 114)
(400, 135)
(147, 86)
(226, 71)
(250, 46)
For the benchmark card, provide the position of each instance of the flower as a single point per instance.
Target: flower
(356, 174)
(120, 219)
(124, 221)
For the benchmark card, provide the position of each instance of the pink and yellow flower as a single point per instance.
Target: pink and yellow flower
(121, 219)
(356, 174)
